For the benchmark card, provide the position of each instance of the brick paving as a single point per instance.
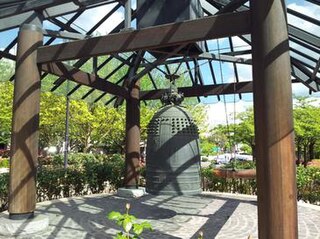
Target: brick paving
(217, 215)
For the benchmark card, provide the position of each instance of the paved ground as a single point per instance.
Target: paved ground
(217, 215)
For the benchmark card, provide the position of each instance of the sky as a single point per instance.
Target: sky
(224, 71)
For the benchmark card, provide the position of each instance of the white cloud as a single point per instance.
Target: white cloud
(92, 16)
(219, 112)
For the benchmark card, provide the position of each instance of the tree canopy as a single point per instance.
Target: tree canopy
(92, 126)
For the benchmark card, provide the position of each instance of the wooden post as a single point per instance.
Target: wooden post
(24, 140)
(276, 172)
(132, 138)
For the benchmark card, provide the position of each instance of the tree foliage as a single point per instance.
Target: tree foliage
(6, 99)
(306, 126)
(307, 129)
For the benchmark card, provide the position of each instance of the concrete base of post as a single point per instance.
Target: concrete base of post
(23, 227)
(131, 192)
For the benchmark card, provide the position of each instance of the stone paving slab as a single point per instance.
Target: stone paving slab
(217, 215)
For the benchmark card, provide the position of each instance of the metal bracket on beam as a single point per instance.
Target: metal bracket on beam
(64, 35)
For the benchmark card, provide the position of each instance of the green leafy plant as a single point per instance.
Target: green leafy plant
(128, 222)
(4, 163)
(238, 164)
(4, 183)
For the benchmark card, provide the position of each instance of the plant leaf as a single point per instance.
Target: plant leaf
(137, 229)
(127, 225)
(114, 215)
(146, 225)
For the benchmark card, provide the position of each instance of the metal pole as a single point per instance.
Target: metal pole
(276, 169)
(127, 15)
(66, 132)
(66, 136)
(25, 124)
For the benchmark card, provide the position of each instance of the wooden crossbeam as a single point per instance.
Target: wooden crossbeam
(230, 24)
(83, 78)
(206, 90)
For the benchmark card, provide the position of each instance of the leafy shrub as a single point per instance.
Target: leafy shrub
(308, 184)
(85, 174)
(49, 185)
(4, 183)
(218, 184)
(238, 164)
(45, 160)
(4, 163)
(116, 170)
(204, 159)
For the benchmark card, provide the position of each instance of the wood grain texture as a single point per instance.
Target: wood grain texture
(24, 144)
(277, 200)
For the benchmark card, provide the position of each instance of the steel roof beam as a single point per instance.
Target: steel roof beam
(82, 61)
(83, 78)
(232, 6)
(304, 17)
(303, 74)
(29, 6)
(304, 36)
(314, 1)
(62, 9)
(211, 57)
(307, 56)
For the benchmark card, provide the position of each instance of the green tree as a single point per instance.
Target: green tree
(6, 99)
(6, 69)
(220, 136)
(227, 136)
(244, 130)
(52, 120)
(307, 128)
(109, 128)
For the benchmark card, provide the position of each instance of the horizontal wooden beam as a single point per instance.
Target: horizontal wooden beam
(84, 78)
(206, 90)
(230, 24)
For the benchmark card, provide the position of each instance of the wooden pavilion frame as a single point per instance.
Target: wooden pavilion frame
(273, 69)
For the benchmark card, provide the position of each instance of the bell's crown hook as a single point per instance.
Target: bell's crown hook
(172, 96)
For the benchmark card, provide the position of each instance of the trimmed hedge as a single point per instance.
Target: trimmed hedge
(90, 174)
(214, 183)
(308, 184)
(4, 182)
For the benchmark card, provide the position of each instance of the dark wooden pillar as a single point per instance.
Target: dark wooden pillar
(132, 138)
(276, 172)
(25, 124)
